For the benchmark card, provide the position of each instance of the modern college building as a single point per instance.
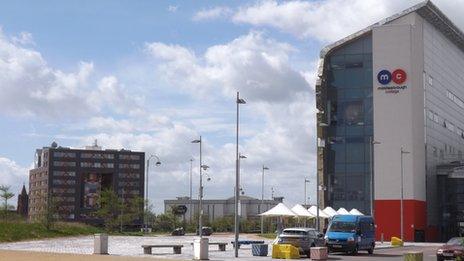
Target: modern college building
(74, 179)
(390, 102)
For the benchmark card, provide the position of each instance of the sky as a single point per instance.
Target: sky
(154, 75)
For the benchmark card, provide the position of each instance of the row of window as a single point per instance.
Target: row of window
(38, 192)
(128, 183)
(62, 199)
(39, 175)
(39, 183)
(129, 175)
(97, 156)
(63, 190)
(433, 116)
(455, 99)
(58, 173)
(69, 154)
(64, 154)
(129, 166)
(64, 182)
(95, 165)
(128, 192)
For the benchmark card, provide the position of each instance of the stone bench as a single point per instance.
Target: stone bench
(221, 246)
(177, 249)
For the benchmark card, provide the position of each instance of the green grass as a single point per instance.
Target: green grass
(268, 235)
(17, 231)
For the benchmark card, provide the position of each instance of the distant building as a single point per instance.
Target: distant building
(74, 178)
(23, 203)
(218, 208)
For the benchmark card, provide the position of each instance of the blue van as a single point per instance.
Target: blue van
(349, 233)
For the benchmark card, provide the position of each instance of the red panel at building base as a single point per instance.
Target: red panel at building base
(388, 219)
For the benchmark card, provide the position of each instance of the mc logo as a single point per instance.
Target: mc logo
(385, 77)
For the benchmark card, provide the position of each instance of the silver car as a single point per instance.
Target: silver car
(301, 237)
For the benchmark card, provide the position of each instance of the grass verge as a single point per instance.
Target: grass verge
(267, 235)
(17, 231)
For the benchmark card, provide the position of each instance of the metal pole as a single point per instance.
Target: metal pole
(237, 185)
(200, 212)
(190, 205)
(401, 203)
(318, 225)
(305, 192)
(146, 196)
(371, 146)
(262, 201)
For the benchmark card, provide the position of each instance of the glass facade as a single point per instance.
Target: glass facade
(350, 116)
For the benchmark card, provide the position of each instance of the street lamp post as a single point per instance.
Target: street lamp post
(262, 198)
(158, 162)
(200, 194)
(191, 190)
(402, 194)
(237, 176)
(372, 142)
(240, 157)
(305, 198)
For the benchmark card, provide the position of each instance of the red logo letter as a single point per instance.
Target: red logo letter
(399, 76)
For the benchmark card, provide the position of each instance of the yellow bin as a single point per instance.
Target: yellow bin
(396, 242)
(285, 251)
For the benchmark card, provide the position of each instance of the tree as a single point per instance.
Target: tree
(49, 213)
(5, 194)
(118, 212)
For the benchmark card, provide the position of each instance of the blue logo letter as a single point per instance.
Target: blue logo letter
(384, 77)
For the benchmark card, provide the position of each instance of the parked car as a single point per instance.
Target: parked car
(350, 233)
(178, 232)
(206, 231)
(453, 249)
(302, 238)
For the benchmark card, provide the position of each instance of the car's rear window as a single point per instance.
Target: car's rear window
(295, 232)
(455, 241)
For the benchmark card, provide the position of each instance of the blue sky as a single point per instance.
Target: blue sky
(153, 75)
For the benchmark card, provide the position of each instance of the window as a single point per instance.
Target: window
(97, 156)
(129, 157)
(449, 126)
(97, 165)
(64, 163)
(434, 150)
(63, 154)
(64, 173)
(455, 99)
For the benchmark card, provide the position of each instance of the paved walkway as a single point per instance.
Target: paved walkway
(37, 256)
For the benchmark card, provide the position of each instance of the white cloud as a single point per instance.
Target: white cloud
(276, 93)
(253, 64)
(29, 86)
(173, 8)
(330, 20)
(13, 175)
(212, 13)
(24, 38)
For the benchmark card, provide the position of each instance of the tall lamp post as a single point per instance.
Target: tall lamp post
(305, 198)
(372, 143)
(240, 157)
(402, 194)
(237, 176)
(158, 162)
(191, 190)
(200, 194)
(262, 198)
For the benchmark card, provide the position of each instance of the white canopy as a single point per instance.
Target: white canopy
(343, 211)
(356, 212)
(330, 211)
(301, 211)
(279, 211)
(313, 211)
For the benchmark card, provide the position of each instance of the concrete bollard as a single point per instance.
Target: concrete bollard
(200, 248)
(319, 253)
(100, 244)
(414, 256)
